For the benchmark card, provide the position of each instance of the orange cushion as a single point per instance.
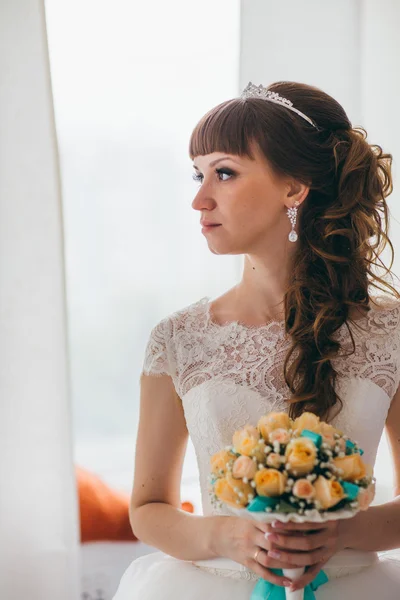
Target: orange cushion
(104, 511)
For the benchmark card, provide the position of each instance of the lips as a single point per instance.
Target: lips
(208, 224)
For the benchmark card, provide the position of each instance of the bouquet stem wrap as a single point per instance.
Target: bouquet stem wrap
(265, 590)
(294, 574)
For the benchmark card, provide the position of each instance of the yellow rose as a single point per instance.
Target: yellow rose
(306, 421)
(303, 489)
(259, 452)
(300, 456)
(272, 421)
(219, 460)
(270, 482)
(233, 491)
(328, 433)
(327, 492)
(246, 440)
(352, 467)
(244, 466)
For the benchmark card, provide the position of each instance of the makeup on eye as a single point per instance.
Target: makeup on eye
(220, 171)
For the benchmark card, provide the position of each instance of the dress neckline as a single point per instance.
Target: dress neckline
(381, 302)
(238, 324)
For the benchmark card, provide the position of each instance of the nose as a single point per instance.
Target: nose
(202, 201)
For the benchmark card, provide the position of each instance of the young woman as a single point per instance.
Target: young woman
(286, 181)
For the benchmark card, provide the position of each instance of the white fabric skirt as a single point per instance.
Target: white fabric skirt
(352, 576)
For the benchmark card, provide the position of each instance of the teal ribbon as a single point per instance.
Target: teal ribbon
(265, 590)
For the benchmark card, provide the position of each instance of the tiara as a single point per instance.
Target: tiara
(253, 91)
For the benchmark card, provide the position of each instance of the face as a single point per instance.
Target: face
(246, 198)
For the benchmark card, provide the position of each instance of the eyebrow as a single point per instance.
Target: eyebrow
(214, 162)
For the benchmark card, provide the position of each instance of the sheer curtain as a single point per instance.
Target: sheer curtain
(130, 81)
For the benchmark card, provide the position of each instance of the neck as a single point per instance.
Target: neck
(263, 286)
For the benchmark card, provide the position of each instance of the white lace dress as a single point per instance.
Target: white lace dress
(230, 375)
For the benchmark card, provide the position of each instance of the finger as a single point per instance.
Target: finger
(306, 543)
(268, 575)
(264, 527)
(300, 526)
(299, 559)
(308, 576)
(265, 559)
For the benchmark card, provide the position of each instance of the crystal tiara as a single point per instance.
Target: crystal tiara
(253, 91)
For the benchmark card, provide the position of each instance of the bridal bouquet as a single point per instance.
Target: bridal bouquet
(301, 470)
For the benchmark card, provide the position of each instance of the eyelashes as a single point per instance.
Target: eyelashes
(221, 171)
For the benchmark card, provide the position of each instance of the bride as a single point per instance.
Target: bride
(285, 180)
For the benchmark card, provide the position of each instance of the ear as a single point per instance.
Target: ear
(296, 191)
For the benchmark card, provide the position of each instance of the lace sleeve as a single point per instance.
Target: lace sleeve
(391, 322)
(156, 359)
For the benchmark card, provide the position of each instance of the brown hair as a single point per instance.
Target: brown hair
(340, 229)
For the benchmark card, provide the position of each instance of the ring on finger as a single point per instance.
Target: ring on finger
(256, 554)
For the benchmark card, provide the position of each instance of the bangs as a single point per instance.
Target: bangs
(230, 127)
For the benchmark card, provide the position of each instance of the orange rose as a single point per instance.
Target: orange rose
(328, 433)
(275, 460)
(327, 492)
(259, 452)
(279, 435)
(244, 466)
(219, 460)
(233, 491)
(272, 421)
(270, 482)
(246, 440)
(306, 421)
(300, 456)
(303, 489)
(352, 467)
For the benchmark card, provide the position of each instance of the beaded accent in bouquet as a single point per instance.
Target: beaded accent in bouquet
(302, 470)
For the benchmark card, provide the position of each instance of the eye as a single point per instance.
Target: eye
(221, 171)
(197, 177)
(224, 171)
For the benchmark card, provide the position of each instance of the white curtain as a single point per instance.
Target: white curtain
(38, 501)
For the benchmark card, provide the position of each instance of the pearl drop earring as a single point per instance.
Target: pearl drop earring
(292, 214)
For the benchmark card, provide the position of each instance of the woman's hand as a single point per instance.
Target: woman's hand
(239, 539)
(306, 545)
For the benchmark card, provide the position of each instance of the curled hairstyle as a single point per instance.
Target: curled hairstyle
(343, 223)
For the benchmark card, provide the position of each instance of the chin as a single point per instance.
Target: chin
(222, 250)
(221, 246)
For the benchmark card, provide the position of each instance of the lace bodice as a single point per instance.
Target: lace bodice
(230, 375)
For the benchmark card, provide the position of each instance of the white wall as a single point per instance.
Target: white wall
(38, 508)
(350, 49)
